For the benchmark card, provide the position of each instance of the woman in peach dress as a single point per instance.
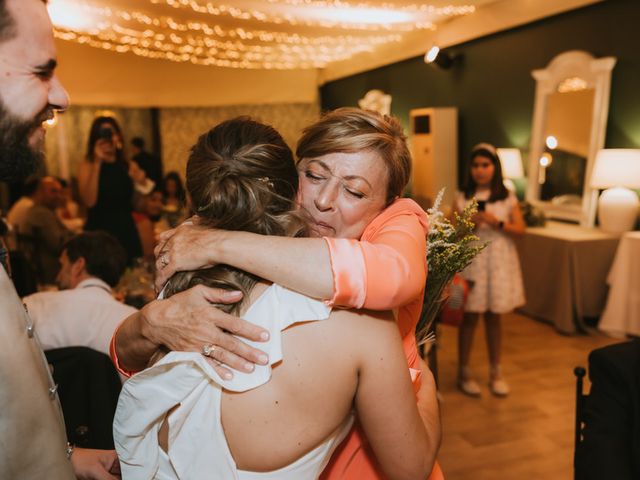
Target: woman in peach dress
(371, 253)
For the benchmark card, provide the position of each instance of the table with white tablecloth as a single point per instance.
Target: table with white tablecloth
(564, 268)
(621, 315)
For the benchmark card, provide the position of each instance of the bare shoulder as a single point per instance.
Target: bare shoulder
(372, 329)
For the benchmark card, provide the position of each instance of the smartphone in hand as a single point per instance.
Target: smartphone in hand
(105, 133)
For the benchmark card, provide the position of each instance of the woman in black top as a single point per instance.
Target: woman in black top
(106, 183)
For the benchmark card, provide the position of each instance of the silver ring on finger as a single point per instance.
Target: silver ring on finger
(208, 350)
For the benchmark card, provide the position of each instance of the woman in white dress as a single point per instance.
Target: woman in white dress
(179, 419)
(494, 275)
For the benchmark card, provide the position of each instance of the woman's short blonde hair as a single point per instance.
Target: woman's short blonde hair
(351, 130)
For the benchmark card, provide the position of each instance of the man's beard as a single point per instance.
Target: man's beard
(18, 159)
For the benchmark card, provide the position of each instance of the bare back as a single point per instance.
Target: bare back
(329, 367)
(309, 395)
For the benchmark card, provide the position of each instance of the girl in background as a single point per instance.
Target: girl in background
(494, 275)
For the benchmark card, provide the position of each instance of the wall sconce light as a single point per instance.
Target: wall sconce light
(617, 170)
(545, 160)
(438, 57)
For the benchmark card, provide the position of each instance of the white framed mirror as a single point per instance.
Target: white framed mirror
(569, 125)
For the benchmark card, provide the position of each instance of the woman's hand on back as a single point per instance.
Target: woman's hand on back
(187, 321)
(188, 247)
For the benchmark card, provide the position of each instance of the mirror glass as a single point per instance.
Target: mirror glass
(563, 164)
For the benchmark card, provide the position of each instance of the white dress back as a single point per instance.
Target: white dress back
(197, 445)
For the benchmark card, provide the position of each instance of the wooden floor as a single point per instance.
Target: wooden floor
(528, 434)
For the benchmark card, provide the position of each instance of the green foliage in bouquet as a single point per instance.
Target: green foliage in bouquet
(450, 248)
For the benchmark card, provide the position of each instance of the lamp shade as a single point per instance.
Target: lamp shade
(616, 167)
(511, 162)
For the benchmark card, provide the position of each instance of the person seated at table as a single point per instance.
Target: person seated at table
(175, 209)
(42, 234)
(69, 211)
(611, 437)
(149, 162)
(149, 220)
(84, 313)
(180, 419)
(19, 209)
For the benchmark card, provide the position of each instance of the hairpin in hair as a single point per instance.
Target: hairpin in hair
(266, 180)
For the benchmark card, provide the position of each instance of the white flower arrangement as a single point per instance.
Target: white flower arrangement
(450, 248)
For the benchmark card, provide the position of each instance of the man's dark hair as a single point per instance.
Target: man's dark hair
(138, 142)
(30, 184)
(7, 23)
(104, 257)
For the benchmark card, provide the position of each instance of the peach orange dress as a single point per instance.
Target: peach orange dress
(386, 269)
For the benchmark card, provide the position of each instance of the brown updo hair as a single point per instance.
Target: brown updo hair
(352, 130)
(240, 176)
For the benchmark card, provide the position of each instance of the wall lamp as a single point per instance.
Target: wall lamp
(442, 59)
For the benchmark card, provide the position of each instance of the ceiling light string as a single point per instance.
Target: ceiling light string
(116, 32)
(217, 9)
(201, 53)
(219, 31)
(214, 8)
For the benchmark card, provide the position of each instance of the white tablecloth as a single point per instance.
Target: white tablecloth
(621, 315)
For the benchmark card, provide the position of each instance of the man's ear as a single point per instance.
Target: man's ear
(78, 267)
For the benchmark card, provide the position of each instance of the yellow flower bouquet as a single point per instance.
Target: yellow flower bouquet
(450, 248)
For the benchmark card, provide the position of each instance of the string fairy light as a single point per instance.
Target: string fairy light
(193, 27)
(211, 44)
(211, 52)
(218, 9)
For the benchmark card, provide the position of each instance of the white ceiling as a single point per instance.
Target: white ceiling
(257, 51)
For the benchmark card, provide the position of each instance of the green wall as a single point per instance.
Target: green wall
(493, 88)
